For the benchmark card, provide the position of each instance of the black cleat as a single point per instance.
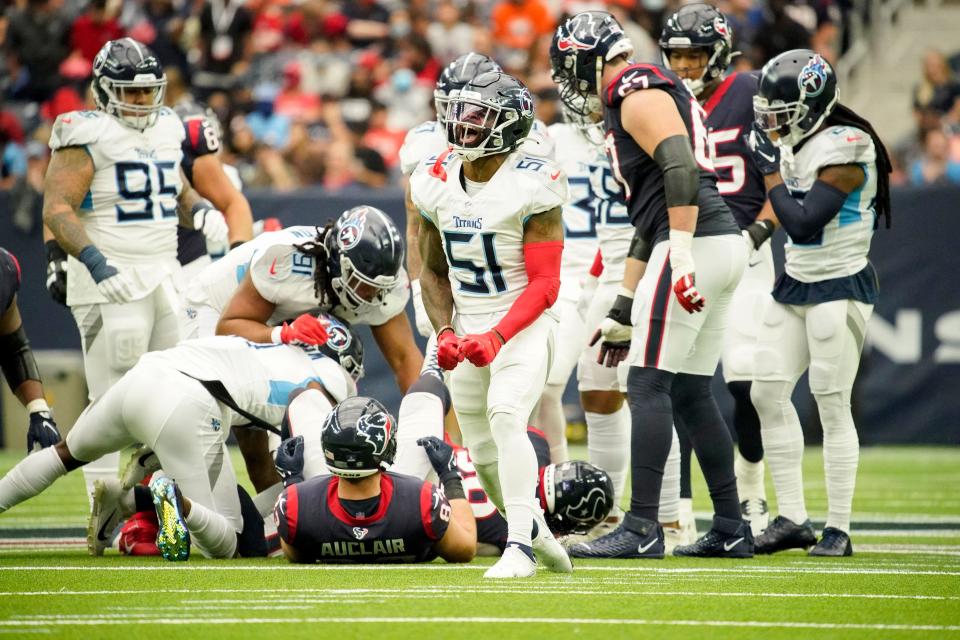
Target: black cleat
(784, 533)
(834, 543)
(643, 539)
(716, 544)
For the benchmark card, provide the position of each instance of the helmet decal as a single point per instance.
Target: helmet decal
(720, 26)
(813, 77)
(351, 229)
(337, 336)
(375, 428)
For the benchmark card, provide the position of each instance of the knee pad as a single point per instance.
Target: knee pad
(127, 340)
(766, 362)
(738, 363)
(823, 377)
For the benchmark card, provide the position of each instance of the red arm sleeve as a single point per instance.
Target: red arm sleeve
(597, 267)
(542, 260)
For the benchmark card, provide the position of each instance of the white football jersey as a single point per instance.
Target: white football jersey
(259, 377)
(483, 234)
(841, 248)
(284, 276)
(595, 215)
(130, 211)
(429, 140)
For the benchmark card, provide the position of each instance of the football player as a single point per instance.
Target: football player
(827, 176)
(180, 402)
(697, 44)
(656, 140)
(491, 245)
(113, 192)
(17, 362)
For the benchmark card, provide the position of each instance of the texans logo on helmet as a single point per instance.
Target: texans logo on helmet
(374, 428)
(813, 77)
(583, 34)
(589, 509)
(351, 230)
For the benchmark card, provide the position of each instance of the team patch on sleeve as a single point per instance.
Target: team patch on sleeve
(435, 511)
(636, 77)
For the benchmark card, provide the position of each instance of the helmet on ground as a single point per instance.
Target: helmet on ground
(578, 496)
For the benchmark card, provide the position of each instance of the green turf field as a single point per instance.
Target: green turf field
(904, 581)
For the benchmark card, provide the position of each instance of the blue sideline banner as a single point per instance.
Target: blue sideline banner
(909, 388)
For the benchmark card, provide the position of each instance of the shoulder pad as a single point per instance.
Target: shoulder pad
(420, 143)
(637, 77)
(276, 264)
(548, 182)
(77, 128)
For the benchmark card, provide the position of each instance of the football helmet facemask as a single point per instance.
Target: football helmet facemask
(358, 438)
(128, 83)
(492, 114)
(365, 252)
(699, 26)
(798, 90)
(456, 75)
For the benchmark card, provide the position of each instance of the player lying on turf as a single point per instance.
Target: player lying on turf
(181, 403)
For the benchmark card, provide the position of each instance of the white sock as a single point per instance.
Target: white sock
(32, 475)
(421, 415)
(518, 475)
(749, 478)
(782, 445)
(553, 422)
(608, 445)
(841, 454)
(670, 489)
(102, 468)
(266, 500)
(211, 532)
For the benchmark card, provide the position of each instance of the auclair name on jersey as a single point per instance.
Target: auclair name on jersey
(351, 549)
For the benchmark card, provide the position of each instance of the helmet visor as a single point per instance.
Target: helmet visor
(777, 117)
(470, 122)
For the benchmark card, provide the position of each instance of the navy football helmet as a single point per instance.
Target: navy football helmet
(798, 90)
(579, 49)
(358, 438)
(123, 71)
(343, 345)
(365, 255)
(699, 26)
(491, 114)
(456, 75)
(578, 496)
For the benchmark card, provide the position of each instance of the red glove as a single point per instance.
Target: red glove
(687, 295)
(448, 349)
(481, 348)
(307, 330)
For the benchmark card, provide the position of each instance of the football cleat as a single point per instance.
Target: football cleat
(138, 535)
(104, 515)
(672, 538)
(514, 563)
(688, 522)
(716, 544)
(173, 538)
(549, 552)
(754, 511)
(643, 539)
(142, 463)
(834, 543)
(782, 534)
(607, 526)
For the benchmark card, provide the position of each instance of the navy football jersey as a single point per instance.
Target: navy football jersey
(406, 522)
(9, 279)
(729, 117)
(200, 140)
(638, 173)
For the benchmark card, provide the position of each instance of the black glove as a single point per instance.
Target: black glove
(759, 232)
(289, 460)
(56, 272)
(441, 455)
(765, 154)
(616, 331)
(42, 432)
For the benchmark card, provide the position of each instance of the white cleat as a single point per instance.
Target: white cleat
(754, 511)
(688, 523)
(143, 462)
(104, 515)
(514, 563)
(550, 553)
(673, 537)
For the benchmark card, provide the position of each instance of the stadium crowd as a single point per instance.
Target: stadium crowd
(321, 93)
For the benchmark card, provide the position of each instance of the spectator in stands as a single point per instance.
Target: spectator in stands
(381, 138)
(268, 126)
(167, 24)
(370, 169)
(368, 23)
(778, 33)
(293, 102)
(935, 167)
(516, 27)
(225, 27)
(938, 89)
(36, 43)
(93, 28)
(448, 35)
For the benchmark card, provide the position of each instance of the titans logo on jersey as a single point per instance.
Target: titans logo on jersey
(729, 116)
(638, 173)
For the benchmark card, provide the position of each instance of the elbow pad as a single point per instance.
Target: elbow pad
(16, 359)
(681, 177)
(640, 249)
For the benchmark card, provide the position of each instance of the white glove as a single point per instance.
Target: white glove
(118, 288)
(211, 223)
(422, 320)
(587, 292)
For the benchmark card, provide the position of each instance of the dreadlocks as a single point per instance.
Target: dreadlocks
(843, 115)
(321, 272)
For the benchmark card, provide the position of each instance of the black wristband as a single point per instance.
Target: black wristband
(620, 311)
(452, 487)
(54, 251)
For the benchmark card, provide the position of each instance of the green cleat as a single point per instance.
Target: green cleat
(173, 539)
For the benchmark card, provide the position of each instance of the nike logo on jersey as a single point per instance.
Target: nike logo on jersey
(643, 547)
(66, 121)
(730, 545)
(554, 176)
(273, 267)
(853, 138)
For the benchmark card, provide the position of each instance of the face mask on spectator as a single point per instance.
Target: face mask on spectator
(402, 80)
